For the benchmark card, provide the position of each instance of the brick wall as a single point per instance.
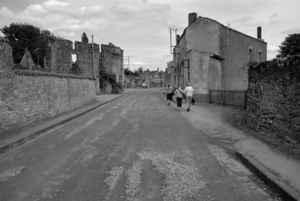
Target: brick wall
(274, 97)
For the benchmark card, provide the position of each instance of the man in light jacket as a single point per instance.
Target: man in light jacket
(189, 95)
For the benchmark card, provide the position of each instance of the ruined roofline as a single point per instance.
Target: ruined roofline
(223, 27)
(109, 46)
(95, 44)
(62, 39)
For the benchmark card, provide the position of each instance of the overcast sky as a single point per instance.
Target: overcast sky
(141, 27)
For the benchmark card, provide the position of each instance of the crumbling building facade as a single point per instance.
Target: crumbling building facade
(111, 61)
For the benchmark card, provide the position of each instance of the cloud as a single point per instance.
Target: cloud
(58, 17)
(66, 34)
(272, 22)
(55, 3)
(5, 12)
(292, 30)
(273, 15)
(254, 24)
(36, 8)
(242, 19)
(273, 49)
(138, 63)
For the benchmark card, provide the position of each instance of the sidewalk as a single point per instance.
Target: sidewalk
(280, 173)
(46, 125)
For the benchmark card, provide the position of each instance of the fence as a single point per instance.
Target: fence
(226, 97)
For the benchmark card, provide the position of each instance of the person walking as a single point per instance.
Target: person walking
(179, 95)
(169, 94)
(189, 95)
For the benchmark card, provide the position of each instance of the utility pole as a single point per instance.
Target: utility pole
(127, 60)
(170, 40)
(93, 57)
(171, 46)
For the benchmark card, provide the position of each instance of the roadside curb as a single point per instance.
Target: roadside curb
(286, 192)
(33, 135)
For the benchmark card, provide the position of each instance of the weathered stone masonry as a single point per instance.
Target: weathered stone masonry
(111, 59)
(30, 96)
(274, 97)
(59, 59)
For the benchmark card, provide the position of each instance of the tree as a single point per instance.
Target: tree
(290, 46)
(140, 70)
(25, 35)
(84, 38)
(127, 71)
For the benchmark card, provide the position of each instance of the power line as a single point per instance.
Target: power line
(158, 45)
(147, 51)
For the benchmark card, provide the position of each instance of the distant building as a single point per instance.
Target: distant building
(154, 78)
(151, 78)
(210, 55)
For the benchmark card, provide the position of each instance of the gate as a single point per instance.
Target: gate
(229, 97)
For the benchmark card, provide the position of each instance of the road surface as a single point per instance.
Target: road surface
(134, 148)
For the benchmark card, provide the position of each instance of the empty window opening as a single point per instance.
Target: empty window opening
(74, 58)
(250, 55)
(259, 56)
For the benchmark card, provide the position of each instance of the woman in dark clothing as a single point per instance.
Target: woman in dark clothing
(179, 95)
(169, 94)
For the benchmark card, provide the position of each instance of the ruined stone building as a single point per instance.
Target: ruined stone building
(28, 96)
(62, 57)
(210, 55)
(132, 81)
(111, 60)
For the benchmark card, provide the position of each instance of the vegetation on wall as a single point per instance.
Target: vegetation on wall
(75, 69)
(109, 76)
(23, 35)
(84, 38)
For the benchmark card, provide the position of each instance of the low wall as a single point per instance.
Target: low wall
(274, 97)
(27, 97)
(201, 98)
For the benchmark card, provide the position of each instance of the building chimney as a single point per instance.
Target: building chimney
(258, 32)
(192, 18)
(177, 39)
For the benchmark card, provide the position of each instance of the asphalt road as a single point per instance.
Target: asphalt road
(134, 148)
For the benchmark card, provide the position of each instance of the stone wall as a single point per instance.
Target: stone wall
(59, 58)
(85, 59)
(274, 97)
(30, 96)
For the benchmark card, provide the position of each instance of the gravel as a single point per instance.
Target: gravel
(181, 181)
(115, 174)
(134, 178)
